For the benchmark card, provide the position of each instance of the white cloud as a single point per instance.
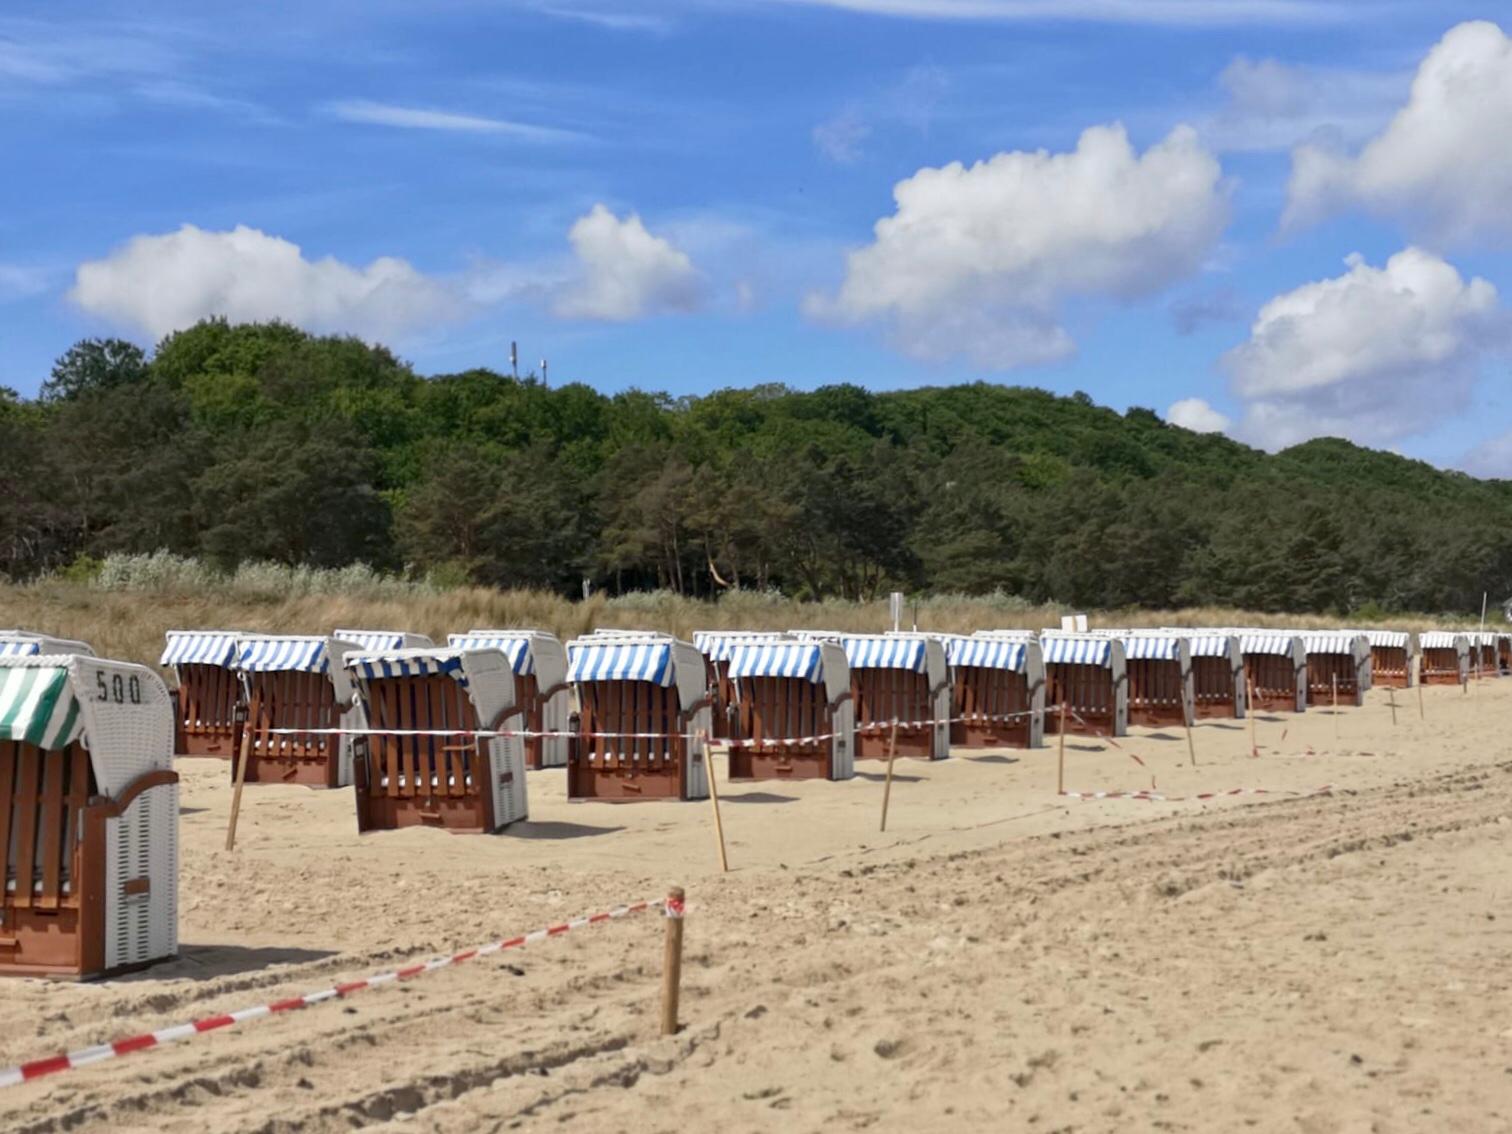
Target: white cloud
(840, 138)
(1197, 415)
(419, 118)
(163, 283)
(18, 282)
(1443, 166)
(625, 272)
(977, 260)
(611, 20)
(1374, 355)
(1178, 12)
(1271, 105)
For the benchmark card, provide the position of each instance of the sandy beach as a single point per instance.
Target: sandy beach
(999, 958)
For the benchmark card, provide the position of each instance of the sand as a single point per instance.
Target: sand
(999, 959)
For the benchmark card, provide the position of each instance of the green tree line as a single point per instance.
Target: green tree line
(262, 442)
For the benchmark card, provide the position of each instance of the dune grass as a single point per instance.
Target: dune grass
(123, 607)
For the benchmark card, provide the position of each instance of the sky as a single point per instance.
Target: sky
(1277, 218)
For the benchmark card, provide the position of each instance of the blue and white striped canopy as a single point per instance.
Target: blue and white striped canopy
(987, 653)
(777, 659)
(617, 659)
(199, 647)
(1260, 642)
(1061, 650)
(720, 645)
(515, 647)
(406, 664)
(280, 655)
(19, 647)
(887, 652)
(1210, 645)
(1152, 647)
(1328, 642)
(374, 640)
(1439, 639)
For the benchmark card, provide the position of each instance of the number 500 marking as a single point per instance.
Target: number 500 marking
(118, 689)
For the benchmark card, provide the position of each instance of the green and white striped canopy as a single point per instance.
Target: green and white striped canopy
(38, 706)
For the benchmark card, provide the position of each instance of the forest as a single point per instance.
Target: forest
(260, 442)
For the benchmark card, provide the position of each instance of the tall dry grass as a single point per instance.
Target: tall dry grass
(127, 618)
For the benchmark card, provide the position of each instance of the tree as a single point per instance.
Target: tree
(94, 365)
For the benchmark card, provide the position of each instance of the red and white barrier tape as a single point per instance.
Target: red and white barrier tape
(1157, 797)
(40, 1068)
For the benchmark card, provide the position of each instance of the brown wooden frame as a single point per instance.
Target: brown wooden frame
(1088, 691)
(1157, 696)
(1390, 667)
(1440, 665)
(1322, 670)
(991, 708)
(1215, 689)
(205, 710)
(293, 699)
(885, 694)
(618, 768)
(1272, 681)
(54, 926)
(784, 708)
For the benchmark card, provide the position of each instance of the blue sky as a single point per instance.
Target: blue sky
(665, 194)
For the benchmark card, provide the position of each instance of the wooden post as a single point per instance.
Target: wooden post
(1250, 706)
(1391, 692)
(1060, 764)
(672, 961)
(892, 754)
(1421, 714)
(1191, 722)
(241, 778)
(708, 759)
(1335, 679)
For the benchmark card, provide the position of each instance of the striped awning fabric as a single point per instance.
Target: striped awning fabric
(406, 664)
(1329, 642)
(515, 647)
(720, 645)
(987, 653)
(1209, 645)
(19, 647)
(1439, 639)
(280, 655)
(755, 658)
(1065, 650)
(38, 706)
(374, 640)
(1395, 639)
(1152, 647)
(620, 659)
(887, 652)
(199, 647)
(1278, 643)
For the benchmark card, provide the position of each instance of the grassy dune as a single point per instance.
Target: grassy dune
(128, 621)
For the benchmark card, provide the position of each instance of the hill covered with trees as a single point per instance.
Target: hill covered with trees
(261, 442)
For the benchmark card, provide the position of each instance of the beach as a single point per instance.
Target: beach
(1323, 952)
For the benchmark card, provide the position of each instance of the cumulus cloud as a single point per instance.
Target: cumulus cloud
(625, 272)
(1442, 166)
(1375, 354)
(1197, 415)
(159, 284)
(1271, 105)
(976, 260)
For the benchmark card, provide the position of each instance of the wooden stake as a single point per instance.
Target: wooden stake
(708, 758)
(1421, 715)
(1335, 679)
(241, 778)
(672, 961)
(1060, 765)
(1250, 708)
(892, 755)
(1391, 692)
